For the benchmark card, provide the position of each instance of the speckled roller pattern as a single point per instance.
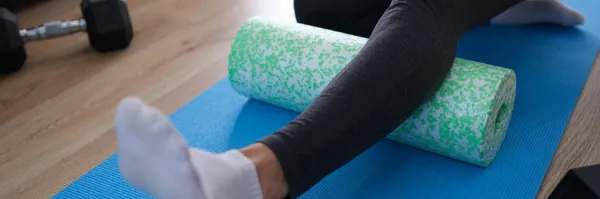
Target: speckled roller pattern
(288, 65)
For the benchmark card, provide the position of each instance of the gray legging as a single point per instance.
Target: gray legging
(411, 47)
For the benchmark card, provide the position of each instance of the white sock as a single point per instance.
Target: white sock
(154, 158)
(539, 11)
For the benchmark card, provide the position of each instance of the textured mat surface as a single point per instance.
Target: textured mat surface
(551, 64)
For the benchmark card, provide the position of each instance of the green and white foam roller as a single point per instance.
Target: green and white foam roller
(289, 64)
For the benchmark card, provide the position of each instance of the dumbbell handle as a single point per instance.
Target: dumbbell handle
(53, 29)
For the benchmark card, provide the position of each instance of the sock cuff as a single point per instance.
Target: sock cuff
(248, 172)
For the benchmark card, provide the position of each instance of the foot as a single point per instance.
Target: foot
(539, 11)
(154, 158)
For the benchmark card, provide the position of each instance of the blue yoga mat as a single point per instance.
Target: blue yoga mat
(552, 64)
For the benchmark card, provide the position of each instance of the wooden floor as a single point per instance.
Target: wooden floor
(56, 115)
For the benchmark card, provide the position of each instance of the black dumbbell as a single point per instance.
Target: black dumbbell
(106, 22)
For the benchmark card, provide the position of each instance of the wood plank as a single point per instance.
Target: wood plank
(57, 113)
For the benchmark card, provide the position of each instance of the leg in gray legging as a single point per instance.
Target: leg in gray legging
(409, 52)
(356, 17)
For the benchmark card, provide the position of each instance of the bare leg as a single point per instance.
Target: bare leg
(270, 174)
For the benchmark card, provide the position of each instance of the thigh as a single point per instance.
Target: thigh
(357, 17)
(349, 8)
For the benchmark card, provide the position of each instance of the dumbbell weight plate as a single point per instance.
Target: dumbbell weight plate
(12, 47)
(108, 24)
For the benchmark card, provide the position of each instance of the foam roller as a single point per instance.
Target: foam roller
(289, 64)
